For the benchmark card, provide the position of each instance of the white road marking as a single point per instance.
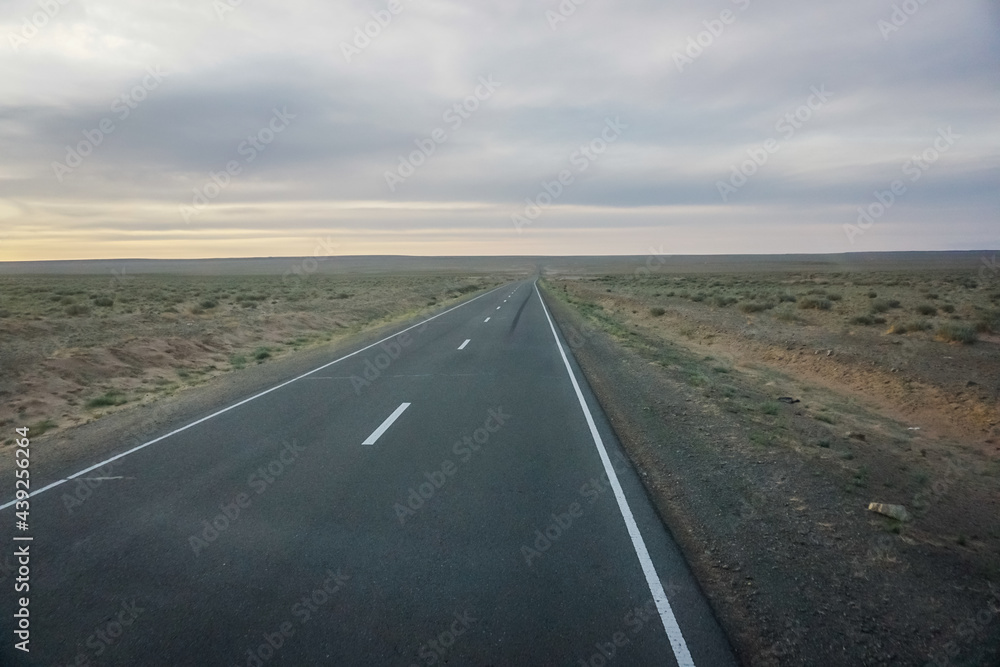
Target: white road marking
(498, 307)
(462, 346)
(377, 433)
(239, 403)
(681, 652)
(486, 320)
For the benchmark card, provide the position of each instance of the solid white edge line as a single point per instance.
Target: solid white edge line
(462, 346)
(384, 426)
(681, 652)
(236, 405)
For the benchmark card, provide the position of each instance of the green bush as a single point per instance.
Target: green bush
(926, 309)
(656, 312)
(209, 303)
(957, 333)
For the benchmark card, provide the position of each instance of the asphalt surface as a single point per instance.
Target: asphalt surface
(481, 527)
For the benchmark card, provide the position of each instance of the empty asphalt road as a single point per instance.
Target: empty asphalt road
(451, 495)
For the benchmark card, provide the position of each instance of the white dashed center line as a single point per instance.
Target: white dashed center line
(486, 320)
(377, 433)
(462, 346)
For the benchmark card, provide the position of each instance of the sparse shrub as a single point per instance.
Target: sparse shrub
(77, 309)
(787, 298)
(909, 327)
(815, 304)
(833, 296)
(261, 353)
(872, 294)
(957, 333)
(699, 297)
(104, 301)
(656, 312)
(756, 306)
(926, 309)
(109, 398)
(209, 303)
(787, 316)
(41, 427)
(947, 308)
(722, 301)
(866, 320)
(238, 361)
(770, 408)
(884, 305)
(968, 282)
(989, 321)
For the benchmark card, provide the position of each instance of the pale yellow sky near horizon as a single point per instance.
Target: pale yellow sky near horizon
(393, 228)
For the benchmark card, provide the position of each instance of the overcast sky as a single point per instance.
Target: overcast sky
(675, 127)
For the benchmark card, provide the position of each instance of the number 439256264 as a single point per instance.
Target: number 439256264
(22, 484)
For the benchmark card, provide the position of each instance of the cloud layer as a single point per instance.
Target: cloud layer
(215, 128)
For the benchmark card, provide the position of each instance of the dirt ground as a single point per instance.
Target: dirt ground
(769, 498)
(76, 348)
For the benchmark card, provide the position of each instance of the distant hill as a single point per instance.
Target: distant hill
(565, 265)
